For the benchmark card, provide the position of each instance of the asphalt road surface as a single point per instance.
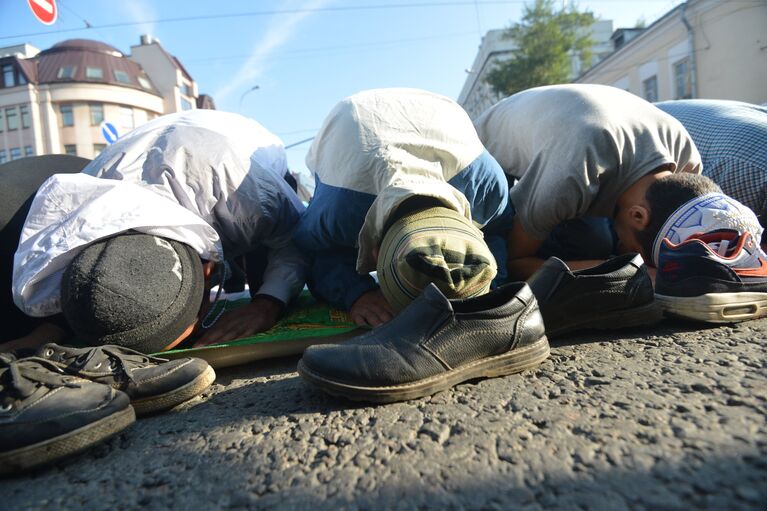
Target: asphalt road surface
(668, 418)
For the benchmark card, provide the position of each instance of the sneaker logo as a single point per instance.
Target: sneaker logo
(672, 266)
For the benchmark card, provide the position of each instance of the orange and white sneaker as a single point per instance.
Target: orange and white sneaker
(716, 277)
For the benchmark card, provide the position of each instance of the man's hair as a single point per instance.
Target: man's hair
(667, 194)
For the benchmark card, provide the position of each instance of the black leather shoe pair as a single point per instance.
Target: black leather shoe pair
(615, 294)
(432, 345)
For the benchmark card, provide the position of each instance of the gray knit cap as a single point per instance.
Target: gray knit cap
(133, 290)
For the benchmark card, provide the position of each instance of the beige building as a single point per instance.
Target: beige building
(477, 95)
(54, 101)
(715, 49)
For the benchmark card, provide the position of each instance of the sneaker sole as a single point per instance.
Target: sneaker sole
(716, 307)
(162, 402)
(500, 365)
(645, 315)
(65, 445)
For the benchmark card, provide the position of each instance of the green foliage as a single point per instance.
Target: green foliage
(546, 38)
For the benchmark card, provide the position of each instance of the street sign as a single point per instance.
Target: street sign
(44, 10)
(109, 132)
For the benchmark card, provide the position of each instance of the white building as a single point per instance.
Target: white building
(54, 101)
(715, 49)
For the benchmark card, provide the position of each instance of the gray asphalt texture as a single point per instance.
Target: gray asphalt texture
(666, 418)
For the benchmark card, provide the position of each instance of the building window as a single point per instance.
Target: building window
(8, 80)
(70, 149)
(67, 117)
(97, 148)
(650, 89)
(97, 113)
(186, 89)
(126, 117)
(682, 85)
(185, 104)
(15, 153)
(144, 83)
(122, 76)
(12, 118)
(25, 122)
(94, 73)
(67, 72)
(28, 151)
(3, 157)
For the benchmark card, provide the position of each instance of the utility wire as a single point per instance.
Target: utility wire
(320, 50)
(208, 17)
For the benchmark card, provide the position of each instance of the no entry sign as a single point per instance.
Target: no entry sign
(44, 10)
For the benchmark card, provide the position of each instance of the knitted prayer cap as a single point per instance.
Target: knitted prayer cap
(133, 290)
(434, 245)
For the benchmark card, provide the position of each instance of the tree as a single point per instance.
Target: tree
(546, 41)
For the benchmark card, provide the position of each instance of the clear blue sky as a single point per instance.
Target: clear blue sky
(304, 60)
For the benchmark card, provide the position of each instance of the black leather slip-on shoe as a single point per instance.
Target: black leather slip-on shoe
(432, 345)
(615, 294)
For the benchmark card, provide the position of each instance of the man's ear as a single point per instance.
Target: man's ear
(208, 267)
(639, 217)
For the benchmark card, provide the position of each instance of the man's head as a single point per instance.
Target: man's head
(644, 208)
(426, 242)
(135, 290)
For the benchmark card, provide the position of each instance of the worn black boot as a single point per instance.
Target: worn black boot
(615, 294)
(46, 415)
(433, 344)
(153, 384)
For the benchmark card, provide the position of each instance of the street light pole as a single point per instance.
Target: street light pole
(255, 87)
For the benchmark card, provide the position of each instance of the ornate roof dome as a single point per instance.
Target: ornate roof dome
(84, 60)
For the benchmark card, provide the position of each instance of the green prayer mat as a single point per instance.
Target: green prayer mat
(307, 322)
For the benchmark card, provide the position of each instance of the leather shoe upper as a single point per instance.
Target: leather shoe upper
(619, 283)
(433, 335)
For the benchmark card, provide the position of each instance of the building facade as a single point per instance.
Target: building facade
(714, 49)
(54, 101)
(477, 95)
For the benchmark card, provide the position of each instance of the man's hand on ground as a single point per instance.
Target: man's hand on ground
(258, 316)
(371, 309)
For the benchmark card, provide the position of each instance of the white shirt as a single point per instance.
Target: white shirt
(213, 180)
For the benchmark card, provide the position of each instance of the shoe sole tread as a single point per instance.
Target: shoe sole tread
(53, 449)
(716, 307)
(155, 404)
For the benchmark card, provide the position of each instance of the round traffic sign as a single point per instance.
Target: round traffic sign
(44, 10)
(109, 132)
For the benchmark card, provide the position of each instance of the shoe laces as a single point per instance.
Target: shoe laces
(121, 361)
(22, 377)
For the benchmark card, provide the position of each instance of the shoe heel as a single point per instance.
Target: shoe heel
(519, 359)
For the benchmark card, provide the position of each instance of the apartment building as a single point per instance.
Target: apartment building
(55, 100)
(714, 49)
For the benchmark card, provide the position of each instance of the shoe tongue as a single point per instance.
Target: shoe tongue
(545, 281)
